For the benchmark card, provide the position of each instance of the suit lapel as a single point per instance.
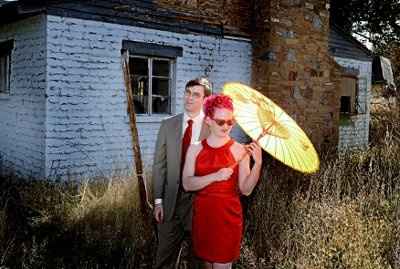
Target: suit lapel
(178, 135)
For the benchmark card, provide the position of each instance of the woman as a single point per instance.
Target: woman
(218, 170)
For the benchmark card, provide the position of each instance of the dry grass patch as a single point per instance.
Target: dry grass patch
(345, 216)
(64, 225)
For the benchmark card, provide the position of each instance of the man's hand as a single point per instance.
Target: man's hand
(159, 213)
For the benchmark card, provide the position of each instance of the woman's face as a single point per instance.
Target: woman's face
(221, 123)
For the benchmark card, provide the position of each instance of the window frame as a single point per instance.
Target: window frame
(6, 49)
(151, 52)
(150, 77)
(361, 109)
(353, 101)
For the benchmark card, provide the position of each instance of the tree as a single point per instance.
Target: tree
(376, 20)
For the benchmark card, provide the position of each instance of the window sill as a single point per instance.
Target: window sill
(155, 118)
(346, 119)
(4, 96)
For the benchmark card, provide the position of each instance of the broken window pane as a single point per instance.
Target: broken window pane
(161, 68)
(138, 68)
(348, 94)
(345, 104)
(161, 95)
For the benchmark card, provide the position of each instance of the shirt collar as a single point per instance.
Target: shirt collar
(196, 119)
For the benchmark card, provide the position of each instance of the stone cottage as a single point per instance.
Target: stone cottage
(62, 96)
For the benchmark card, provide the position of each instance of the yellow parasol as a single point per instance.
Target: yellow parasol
(273, 129)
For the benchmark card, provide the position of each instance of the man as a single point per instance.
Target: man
(173, 206)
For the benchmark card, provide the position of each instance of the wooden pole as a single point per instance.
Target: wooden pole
(144, 202)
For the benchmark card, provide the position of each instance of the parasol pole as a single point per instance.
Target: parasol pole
(144, 202)
(265, 121)
(265, 131)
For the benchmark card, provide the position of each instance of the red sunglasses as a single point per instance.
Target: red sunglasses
(222, 122)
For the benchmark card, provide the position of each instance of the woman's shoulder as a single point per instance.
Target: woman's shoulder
(238, 149)
(238, 146)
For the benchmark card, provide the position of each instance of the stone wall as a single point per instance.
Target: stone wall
(22, 111)
(292, 65)
(233, 16)
(87, 124)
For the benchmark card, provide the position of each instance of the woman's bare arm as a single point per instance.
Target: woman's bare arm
(248, 178)
(195, 183)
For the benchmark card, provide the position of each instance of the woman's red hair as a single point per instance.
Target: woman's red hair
(216, 101)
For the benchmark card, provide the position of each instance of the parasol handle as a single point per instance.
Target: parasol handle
(264, 132)
(247, 152)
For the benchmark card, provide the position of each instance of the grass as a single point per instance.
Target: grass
(345, 216)
(59, 225)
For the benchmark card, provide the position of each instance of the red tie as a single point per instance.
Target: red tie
(187, 137)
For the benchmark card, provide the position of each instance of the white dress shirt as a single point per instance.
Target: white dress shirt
(196, 128)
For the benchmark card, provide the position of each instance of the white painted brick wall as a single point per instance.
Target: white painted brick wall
(22, 112)
(87, 125)
(355, 135)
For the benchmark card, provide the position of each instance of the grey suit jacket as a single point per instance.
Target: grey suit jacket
(167, 162)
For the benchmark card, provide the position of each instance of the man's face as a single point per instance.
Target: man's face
(193, 99)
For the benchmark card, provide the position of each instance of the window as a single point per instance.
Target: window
(5, 66)
(151, 84)
(151, 67)
(345, 104)
(349, 95)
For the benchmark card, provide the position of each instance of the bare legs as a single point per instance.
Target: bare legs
(207, 265)
(222, 265)
(215, 265)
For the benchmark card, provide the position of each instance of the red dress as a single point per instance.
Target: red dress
(217, 212)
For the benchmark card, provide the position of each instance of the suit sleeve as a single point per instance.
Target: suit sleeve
(159, 172)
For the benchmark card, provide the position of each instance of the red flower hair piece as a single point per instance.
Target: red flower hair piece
(216, 101)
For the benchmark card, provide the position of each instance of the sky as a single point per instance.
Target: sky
(363, 40)
(2, 2)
